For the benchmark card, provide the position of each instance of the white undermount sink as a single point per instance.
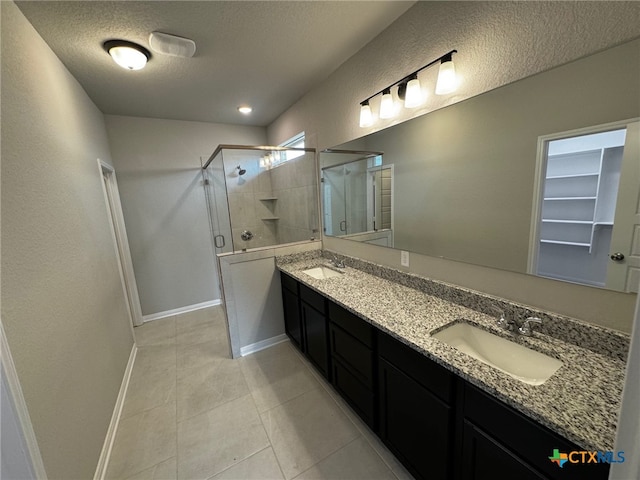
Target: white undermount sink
(321, 272)
(516, 360)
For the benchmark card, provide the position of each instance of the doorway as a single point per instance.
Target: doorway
(125, 264)
(587, 207)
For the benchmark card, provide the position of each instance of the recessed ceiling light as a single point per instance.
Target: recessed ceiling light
(245, 109)
(128, 55)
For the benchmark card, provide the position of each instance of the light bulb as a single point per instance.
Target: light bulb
(413, 95)
(128, 57)
(366, 117)
(386, 104)
(447, 81)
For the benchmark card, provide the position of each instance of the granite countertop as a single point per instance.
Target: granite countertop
(580, 401)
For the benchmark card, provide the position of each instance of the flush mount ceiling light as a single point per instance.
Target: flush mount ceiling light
(128, 55)
(410, 91)
(245, 109)
(172, 45)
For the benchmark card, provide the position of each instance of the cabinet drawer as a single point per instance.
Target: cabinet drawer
(349, 322)
(532, 442)
(355, 392)
(428, 373)
(312, 298)
(355, 354)
(289, 283)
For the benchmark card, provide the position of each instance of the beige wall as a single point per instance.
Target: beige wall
(498, 43)
(464, 175)
(63, 306)
(160, 182)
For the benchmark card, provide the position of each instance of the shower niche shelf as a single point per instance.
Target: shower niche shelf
(268, 199)
(270, 218)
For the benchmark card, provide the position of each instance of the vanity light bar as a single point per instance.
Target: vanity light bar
(410, 91)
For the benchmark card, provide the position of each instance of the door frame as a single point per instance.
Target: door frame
(121, 242)
(538, 185)
(20, 435)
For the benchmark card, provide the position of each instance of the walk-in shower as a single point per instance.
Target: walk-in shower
(261, 196)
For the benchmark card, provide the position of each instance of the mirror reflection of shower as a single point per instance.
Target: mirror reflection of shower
(277, 201)
(358, 197)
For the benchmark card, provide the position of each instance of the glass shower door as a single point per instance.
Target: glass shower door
(218, 206)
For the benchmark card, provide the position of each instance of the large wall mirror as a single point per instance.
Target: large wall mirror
(491, 179)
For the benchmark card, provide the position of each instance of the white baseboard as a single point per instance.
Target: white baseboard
(178, 311)
(105, 455)
(262, 344)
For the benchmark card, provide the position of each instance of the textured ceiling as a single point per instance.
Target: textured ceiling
(266, 54)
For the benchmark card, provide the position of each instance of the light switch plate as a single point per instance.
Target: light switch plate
(404, 258)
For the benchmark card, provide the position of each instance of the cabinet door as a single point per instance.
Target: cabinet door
(316, 338)
(292, 325)
(361, 398)
(415, 425)
(485, 458)
(528, 440)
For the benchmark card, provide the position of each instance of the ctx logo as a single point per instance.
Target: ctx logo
(580, 456)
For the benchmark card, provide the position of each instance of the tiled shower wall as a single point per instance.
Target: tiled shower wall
(247, 210)
(294, 184)
(278, 205)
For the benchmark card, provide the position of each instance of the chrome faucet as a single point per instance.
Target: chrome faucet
(508, 324)
(525, 328)
(502, 322)
(337, 263)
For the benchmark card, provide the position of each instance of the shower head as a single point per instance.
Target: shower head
(241, 171)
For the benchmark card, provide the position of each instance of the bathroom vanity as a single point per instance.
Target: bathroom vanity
(444, 414)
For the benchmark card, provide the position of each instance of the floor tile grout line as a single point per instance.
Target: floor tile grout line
(364, 431)
(219, 405)
(320, 387)
(332, 453)
(260, 414)
(264, 427)
(329, 389)
(238, 463)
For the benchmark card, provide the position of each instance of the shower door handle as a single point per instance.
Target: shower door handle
(343, 226)
(218, 241)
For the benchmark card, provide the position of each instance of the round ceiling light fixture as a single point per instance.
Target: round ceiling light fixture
(128, 55)
(245, 109)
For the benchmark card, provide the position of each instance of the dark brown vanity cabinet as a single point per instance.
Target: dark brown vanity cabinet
(305, 322)
(416, 409)
(315, 329)
(500, 440)
(291, 307)
(437, 424)
(353, 360)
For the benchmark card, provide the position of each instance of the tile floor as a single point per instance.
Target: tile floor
(192, 412)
